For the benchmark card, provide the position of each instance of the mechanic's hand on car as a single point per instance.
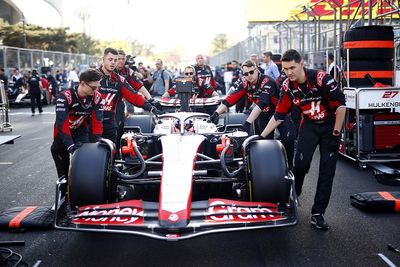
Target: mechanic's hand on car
(156, 111)
(214, 118)
(246, 126)
(74, 147)
(155, 103)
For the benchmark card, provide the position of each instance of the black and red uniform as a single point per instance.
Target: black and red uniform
(241, 104)
(133, 80)
(205, 81)
(265, 94)
(130, 77)
(205, 91)
(113, 88)
(318, 99)
(73, 117)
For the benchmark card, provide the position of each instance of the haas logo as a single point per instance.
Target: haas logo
(107, 101)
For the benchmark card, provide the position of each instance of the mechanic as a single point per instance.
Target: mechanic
(264, 93)
(113, 88)
(322, 104)
(204, 78)
(203, 92)
(76, 108)
(35, 91)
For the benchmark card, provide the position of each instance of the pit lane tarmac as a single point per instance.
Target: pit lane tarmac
(355, 238)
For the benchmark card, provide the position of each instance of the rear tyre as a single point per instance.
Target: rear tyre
(89, 179)
(267, 171)
(145, 122)
(237, 118)
(356, 39)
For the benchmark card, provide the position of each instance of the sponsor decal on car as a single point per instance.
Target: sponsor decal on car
(123, 213)
(222, 210)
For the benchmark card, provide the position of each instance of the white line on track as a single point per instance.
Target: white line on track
(6, 163)
(386, 259)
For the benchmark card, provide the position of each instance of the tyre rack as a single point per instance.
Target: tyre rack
(369, 98)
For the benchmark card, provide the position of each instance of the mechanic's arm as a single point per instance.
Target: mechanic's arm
(97, 118)
(62, 121)
(340, 114)
(132, 96)
(282, 109)
(272, 124)
(254, 114)
(145, 93)
(137, 84)
(336, 101)
(221, 109)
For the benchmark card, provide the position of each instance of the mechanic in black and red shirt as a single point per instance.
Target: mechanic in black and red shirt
(204, 78)
(188, 73)
(322, 104)
(263, 91)
(76, 109)
(113, 88)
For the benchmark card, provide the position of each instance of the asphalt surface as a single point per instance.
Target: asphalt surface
(355, 238)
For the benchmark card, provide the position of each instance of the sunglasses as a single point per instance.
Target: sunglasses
(248, 73)
(189, 73)
(93, 87)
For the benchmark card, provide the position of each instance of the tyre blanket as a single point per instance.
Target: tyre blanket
(377, 201)
(31, 217)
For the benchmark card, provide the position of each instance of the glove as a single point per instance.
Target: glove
(156, 111)
(147, 106)
(334, 142)
(71, 149)
(214, 117)
(155, 103)
(246, 126)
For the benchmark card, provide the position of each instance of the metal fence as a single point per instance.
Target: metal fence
(28, 59)
(312, 36)
(241, 51)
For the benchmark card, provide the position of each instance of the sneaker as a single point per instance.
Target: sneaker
(319, 222)
(33, 114)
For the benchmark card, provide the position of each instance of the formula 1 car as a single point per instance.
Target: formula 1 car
(177, 176)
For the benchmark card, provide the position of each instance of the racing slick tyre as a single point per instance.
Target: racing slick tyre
(380, 71)
(89, 175)
(144, 122)
(268, 171)
(369, 43)
(237, 118)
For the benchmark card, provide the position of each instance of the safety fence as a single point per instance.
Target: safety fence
(28, 59)
(316, 30)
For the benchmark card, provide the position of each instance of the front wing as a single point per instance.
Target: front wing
(142, 217)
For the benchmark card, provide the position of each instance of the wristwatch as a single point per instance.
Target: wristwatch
(336, 133)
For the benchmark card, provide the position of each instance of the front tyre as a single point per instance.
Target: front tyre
(89, 179)
(268, 172)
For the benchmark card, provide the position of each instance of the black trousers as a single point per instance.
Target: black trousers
(310, 135)
(60, 153)
(35, 97)
(287, 132)
(110, 130)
